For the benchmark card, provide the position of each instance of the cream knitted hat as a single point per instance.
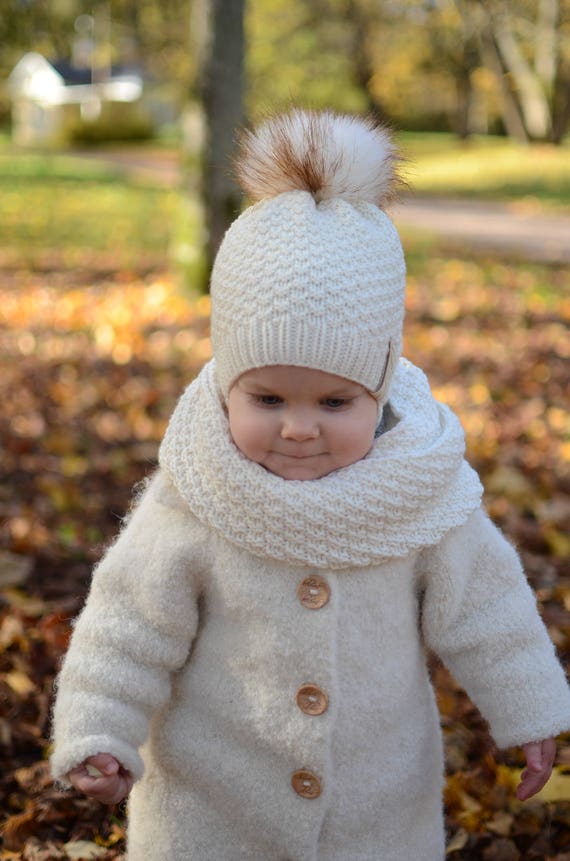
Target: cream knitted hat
(313, 274)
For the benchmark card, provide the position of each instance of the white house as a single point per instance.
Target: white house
(49, 100)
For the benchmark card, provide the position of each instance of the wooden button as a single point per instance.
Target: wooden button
(312, 700)
(306, 784)
(314, 592)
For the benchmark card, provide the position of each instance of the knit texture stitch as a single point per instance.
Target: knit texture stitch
(312, 275)
(187, 657)
(412, 487)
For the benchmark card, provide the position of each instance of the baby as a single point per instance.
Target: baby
(251, 659)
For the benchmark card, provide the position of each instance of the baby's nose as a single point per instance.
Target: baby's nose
(299, 426)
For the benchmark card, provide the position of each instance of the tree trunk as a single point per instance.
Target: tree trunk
(363, 69)
(532, 97)
(552, 68)
(492, 59)
(511, 117)
(469, 59)
(546, 43)
(220, 87)
(463, 114)
(561, 105)
(527, 65)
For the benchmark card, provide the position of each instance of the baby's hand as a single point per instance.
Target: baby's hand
(540, 757)
(103, 778)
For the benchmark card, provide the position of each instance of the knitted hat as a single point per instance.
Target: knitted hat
(313, 274)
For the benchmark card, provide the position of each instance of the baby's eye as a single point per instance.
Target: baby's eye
(268, 400)
(335, 403)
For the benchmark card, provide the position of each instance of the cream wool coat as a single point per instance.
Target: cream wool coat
(187, 658)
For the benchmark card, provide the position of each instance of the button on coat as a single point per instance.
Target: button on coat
(306, 784)
(312, 700)
(314, 592)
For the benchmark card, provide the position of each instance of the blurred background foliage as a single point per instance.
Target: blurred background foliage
(469, 66)
(493, 73)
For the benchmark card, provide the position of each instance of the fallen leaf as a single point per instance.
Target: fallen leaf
(36, 850)
(557, 788)
(17, 829)
(500, 824)
(15, 568)
(28, 604)
(11, 631)
(83, 850)
(19, 682)
(501, 850)
(458, 841)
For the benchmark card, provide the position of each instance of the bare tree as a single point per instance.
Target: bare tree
(520, 43)
(219, 35)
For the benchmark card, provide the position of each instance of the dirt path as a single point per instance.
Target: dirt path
(496, 227)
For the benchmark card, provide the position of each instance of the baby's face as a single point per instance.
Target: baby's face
(300, 423)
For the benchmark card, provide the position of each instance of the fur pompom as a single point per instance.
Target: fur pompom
(330, 155)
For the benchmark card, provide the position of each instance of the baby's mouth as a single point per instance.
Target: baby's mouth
(300, 456)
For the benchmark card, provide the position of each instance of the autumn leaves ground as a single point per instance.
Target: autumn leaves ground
(92, 366)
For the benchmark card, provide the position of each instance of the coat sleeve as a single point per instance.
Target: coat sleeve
(136, 629)
(480, 616)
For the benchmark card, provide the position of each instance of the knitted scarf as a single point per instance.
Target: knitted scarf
(410, 489)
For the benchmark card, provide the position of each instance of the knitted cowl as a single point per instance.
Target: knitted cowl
(412, 487)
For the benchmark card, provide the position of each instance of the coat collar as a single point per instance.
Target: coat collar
(412, 487)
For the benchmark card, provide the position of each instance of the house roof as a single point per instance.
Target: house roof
(60, 82)
(74, 75)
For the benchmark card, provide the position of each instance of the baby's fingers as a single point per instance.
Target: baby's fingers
(540, 759)
(107, 790)
(531, 783)
(102, 764)
(101, 777)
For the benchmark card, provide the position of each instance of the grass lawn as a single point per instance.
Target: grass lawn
(62, 211)
(487, 167)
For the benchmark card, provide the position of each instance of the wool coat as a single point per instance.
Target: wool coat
(272, 709)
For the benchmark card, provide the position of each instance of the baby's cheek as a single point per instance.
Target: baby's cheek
(240, 439)
(357, 446)
(248, 439)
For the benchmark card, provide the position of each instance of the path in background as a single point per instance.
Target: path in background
(517, 229)
(157, 164)
(500, 227)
